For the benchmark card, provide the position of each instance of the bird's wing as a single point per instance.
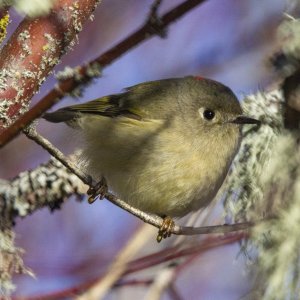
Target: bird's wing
(142, 101)
(108, 106)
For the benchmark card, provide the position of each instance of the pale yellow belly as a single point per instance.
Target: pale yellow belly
(151, 168)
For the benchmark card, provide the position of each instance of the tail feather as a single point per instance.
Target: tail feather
(61, 115)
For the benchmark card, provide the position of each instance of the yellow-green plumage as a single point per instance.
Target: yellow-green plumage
(153, 145)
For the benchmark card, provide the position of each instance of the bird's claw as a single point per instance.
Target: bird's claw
(97, 191)
(166, 229)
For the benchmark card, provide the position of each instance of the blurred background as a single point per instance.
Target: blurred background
(229, 41)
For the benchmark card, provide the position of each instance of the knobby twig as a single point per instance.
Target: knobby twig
(84, 72)
(154, 8)
(147, 218)
(155, 21)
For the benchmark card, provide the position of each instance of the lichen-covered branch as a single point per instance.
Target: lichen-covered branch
(33, 50)
(4, 21)
(264, 183)
(49, 185)
(10, 261)
(279, 242)
(243, 187)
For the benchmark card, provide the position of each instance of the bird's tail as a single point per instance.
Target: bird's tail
(61, 115)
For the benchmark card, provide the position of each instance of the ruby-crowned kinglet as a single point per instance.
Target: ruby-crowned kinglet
(163, 146)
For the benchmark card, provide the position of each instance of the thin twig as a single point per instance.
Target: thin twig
(147, 218)
(69, 84)
(33, 135)
(179, 230)
(132, 282)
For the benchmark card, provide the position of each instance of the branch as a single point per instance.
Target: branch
(179, 230)
(147, 218)
(33, 135)
(69, 84)
(32, 52)
(49, 185)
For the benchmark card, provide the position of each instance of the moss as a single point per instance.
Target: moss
(4, 21)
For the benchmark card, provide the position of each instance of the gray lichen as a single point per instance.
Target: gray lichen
(32, 8)
(4, 107)
(265, 184)
(49, 185)
(244, 187)
(287, 60)
(279, 257)
(92, 70)
(10, 261)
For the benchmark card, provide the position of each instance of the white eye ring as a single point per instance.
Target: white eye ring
(207, 113)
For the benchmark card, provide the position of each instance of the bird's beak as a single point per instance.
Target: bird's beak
(245, 120)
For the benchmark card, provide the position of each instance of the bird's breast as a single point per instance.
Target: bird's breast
(155, 168)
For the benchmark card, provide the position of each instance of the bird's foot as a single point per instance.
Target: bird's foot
(99, 190)
(166, 229)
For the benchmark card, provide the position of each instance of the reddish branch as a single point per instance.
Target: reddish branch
(70, 84)
(148, 262)
(32, 52)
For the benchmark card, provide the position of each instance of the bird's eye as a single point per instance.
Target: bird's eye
(208, 114)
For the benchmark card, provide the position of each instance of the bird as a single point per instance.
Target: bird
(164, 146)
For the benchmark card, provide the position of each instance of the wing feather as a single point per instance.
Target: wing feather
(108, 106)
